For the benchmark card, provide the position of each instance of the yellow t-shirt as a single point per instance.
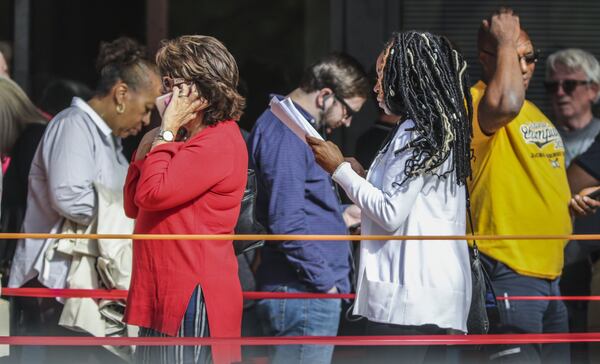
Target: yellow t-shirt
(519, 186)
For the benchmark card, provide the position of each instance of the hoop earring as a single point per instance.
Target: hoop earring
(120, 108)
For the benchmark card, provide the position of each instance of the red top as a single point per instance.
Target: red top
(194, 187)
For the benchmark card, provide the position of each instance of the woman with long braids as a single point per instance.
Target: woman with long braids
(415, 186)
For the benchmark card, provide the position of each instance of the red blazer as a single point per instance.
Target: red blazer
(192, 187)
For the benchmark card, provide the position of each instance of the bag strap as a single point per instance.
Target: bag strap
(475, 250)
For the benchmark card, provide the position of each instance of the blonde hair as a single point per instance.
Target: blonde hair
(16, 112)
(205, 61)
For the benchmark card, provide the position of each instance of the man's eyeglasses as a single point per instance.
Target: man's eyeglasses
(528, 58)
(348, 111)
(168, 82)
(568, 86)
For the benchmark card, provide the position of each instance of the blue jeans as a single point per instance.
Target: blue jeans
(299, 317)
(527, 316)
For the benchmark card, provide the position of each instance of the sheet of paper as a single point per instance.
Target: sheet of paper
(292, 118)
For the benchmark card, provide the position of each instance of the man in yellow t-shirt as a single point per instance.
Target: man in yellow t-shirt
(519, 186)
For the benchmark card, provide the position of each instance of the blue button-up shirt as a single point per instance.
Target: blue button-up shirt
(296, 196)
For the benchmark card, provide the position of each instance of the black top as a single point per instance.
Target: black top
(368, 144)
(590, 160)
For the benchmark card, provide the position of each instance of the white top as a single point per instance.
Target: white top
(410, 282)
(78, 149)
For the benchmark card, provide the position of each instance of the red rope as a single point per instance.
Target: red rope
(492, 339)
(122, 294)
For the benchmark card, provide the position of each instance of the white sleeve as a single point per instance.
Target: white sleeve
(388, 209)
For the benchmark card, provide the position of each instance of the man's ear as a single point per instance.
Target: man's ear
(484, 60)
(322, 97)
(482, 57)
(595, 89)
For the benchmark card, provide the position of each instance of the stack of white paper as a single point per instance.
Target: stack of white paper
(292, 118)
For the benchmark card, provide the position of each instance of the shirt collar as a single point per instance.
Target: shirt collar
(480, 85)
(100, 123)
(304, 113)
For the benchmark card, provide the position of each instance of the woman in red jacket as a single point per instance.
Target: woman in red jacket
(188, 177)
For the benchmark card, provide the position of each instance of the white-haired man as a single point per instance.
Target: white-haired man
(573, 84)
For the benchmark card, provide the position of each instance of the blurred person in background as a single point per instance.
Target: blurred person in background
(5, 58)
(369, 143)
(584, 178)
(21, 128)
(58, 94)
(573, 85)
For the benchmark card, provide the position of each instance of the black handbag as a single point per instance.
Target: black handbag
(247, 223)
(483, 298)
(478, 321)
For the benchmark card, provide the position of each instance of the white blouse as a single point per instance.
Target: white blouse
(411, 282)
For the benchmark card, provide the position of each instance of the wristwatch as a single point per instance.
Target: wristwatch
(165, 135)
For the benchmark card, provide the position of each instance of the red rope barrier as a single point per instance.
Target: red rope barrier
(283, 237)
(65, 293)
(122, 294)
(492, 339)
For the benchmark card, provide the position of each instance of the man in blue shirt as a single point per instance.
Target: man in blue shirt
(296, 196)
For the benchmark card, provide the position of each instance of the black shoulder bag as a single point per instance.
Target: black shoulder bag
(478, 321)
(247, 223)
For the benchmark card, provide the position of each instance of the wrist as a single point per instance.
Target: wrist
(339, 167)
(165, 135)
(506, 46)
(170, 127)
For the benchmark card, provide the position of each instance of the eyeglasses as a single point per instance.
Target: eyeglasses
(348, 111)
(168, 82)
(528, 58)
(568, 86)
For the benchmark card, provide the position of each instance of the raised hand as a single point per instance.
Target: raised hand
(327, 154)
(504, 27)
(183, 108)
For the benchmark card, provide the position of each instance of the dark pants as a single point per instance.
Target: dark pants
(404, 354)
(527, 316)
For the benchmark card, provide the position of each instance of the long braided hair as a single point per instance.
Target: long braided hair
(425, 80)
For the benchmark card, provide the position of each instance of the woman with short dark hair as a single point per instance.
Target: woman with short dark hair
(80, 147)
(188, 177)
